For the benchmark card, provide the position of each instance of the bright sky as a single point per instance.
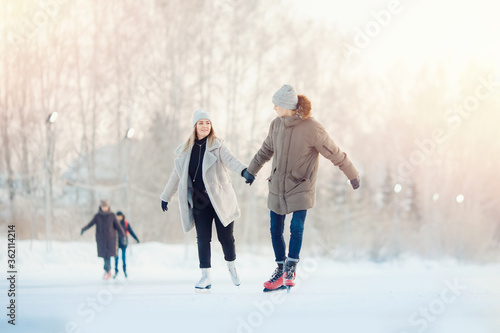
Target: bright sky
(423, 29)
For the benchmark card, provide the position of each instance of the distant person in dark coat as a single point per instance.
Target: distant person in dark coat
(106, 226)
(124, 242)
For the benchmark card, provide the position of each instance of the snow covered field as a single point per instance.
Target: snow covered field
(63, 291)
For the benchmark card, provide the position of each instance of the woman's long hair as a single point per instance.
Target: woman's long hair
(190, 141)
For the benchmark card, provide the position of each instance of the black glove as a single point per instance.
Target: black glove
(164, 205)
(248, 176)
(355, 183)
(81, 232)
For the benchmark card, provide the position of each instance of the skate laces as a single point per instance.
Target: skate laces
(289, 272)
(276, 275)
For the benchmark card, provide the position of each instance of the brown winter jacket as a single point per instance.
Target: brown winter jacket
(295, 144)
(106, 226)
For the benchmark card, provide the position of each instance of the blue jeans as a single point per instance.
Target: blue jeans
(296, 232)
(124, 258)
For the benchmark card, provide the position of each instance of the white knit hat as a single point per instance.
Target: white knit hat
(200, 114)
(286, 97)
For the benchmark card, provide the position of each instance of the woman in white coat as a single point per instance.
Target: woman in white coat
(205, 193)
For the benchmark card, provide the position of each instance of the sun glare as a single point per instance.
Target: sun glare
(418, 32)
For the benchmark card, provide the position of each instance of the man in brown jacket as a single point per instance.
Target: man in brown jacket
(295, 140)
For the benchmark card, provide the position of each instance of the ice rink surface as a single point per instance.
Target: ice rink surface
(63, 291)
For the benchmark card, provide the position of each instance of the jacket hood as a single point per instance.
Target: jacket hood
(292, 120)
(303, 107)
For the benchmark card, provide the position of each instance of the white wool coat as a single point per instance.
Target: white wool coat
(217, 160)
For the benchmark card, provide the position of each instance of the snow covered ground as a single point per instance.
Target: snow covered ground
(63, 291)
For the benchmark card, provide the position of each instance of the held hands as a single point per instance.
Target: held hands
(164, 205)
(248, 176)
(355, 183)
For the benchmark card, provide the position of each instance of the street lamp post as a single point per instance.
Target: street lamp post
(435, 231)
(48, 178)
(395, 227)
(128, 136)
(458, 232)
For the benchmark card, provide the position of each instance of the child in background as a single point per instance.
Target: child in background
(123, 242)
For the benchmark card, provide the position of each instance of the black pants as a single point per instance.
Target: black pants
(107, 264)
(124, 257)
(204, 214)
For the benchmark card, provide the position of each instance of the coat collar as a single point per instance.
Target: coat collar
(178, 151)
(292, 121)
(215, 145)
(104, 213)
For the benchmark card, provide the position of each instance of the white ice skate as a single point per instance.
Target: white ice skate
(205, 281)
(234, 274)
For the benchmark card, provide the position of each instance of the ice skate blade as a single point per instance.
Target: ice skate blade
(205, 288)
(202, 290)
(271, 290)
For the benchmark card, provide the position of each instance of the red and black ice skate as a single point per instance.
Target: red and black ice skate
(275, 282)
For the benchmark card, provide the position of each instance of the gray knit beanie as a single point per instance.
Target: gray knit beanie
(200, 114)
(286, 97)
